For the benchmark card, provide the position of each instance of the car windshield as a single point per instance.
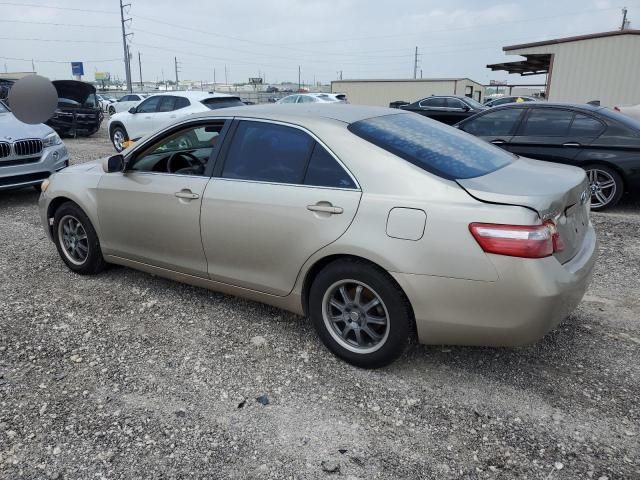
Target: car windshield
(222, 102)
(473, 103)
(432, 146)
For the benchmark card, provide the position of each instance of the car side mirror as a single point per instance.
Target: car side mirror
(133, 110)
(466, 108)
(114, 163)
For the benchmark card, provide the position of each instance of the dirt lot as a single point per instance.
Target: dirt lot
(128, 376)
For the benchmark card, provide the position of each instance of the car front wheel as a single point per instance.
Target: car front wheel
(360, 313)
(76, 240)
(118, 138)
(606, 186)
(112, 111)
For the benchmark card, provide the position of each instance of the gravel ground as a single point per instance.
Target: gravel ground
(129, 376)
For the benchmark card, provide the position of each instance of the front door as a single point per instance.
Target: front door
(141, 123)
(279, 197)
(151, 212)
(496, 126)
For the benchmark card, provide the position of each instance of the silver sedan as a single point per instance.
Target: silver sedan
(377, 224)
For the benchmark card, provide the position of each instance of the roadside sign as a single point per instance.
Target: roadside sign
(103, 76)
(77, 69)
(255, 81)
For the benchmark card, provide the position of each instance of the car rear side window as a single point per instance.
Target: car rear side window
(268, 152)
(495, 123)
(547, 122)
(181, 102)
(438, 102)
(585, 126)
(325, 171)
(432, 146)
(167, 104)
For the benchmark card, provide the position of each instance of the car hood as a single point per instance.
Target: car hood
(13, 129)
(93, 166)
(74, 90)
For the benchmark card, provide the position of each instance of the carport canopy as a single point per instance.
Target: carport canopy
(535, 64)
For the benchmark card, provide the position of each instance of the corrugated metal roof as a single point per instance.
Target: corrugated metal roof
(578, 38)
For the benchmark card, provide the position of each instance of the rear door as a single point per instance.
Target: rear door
(496, 126)
(279, 196)
(545, 135)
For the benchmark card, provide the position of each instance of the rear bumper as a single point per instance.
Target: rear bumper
(530, 298)
(33, 173)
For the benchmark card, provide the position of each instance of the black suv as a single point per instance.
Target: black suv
(445, 109)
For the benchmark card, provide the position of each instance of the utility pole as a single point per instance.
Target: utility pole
(140, 67)
(299, 70)
(415, 64)
(175, 60)
(33, 67)
(226, 79)
(214, 79)
(127, 64)
(624, 19)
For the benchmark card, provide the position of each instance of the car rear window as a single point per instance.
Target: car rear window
(222, 102)
(432, 146)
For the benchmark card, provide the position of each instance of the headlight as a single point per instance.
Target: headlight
(51, 140)
(44, 185)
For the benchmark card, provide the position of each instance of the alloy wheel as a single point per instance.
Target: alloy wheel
(118, 140)
(355, 316)
(73, 239)
(603, 187)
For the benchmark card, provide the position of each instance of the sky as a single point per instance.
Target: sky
(271, 39)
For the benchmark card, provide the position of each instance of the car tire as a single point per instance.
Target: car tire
(112, 111)
(606, 186)
(374, 326)
(76, 240)
(118, 136)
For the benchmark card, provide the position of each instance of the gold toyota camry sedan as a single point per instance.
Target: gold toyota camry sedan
(375, 223)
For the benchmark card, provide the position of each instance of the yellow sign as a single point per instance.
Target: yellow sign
(103, 75)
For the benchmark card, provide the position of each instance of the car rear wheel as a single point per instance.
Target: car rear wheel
(76, 240)
(360, 313)
(606, 186)
(118, 138)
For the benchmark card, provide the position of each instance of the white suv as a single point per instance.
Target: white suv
(314, 98)
(161, 109)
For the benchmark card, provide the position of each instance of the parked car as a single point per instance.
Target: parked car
(632, 111)
(28, 153)
(159, 110)
(494, 102)
(315, 98)
(445, 109)
(375, 223)
(104, 101)
(78, 111)
(604, 143)
(125, 102)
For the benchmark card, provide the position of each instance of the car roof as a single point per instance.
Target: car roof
(576, 106)
(195, 94)
(341, 112)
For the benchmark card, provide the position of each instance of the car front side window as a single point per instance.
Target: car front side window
(494, 123)
(150, 105)
(268, 152)
(183, 152)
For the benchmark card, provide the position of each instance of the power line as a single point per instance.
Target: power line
(57, 24)
(57, 41)
(16, 4)
(58, 61)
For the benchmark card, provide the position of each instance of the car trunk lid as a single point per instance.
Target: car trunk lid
(554, 191)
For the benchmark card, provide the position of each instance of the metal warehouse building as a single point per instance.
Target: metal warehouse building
(382, 92)
(601, 66)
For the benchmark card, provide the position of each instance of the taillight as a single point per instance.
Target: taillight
(526, 241)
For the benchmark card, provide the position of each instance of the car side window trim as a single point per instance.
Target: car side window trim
(217, 172)
(531, 109)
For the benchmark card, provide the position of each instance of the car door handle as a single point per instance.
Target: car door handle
(497, 141)
(188, 194)
(571, 144)
(325, 208)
